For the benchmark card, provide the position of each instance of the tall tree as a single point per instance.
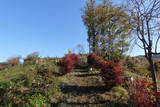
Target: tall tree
(110, 28)
(114, 30)
(145, 15)
(89, 18)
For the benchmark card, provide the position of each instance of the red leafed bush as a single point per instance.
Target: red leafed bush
(92, 60)
(69, 62)
(95, 61)
(142, 94)
(111, 72)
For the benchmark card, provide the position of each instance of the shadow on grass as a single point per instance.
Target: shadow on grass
(86, 103)
(81, 70)
(57, 74)
(73, 89)
(100, 103)
(87, 75)
(89, 104)
(74, 104)
(82, 66)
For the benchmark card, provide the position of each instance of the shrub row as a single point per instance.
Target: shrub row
(111, 72)
(68, 62)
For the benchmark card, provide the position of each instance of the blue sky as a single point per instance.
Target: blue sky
(49, 27)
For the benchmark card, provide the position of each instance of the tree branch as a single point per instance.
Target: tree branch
(156, 45)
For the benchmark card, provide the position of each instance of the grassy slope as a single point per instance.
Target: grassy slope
(24, 86)
(76, 89)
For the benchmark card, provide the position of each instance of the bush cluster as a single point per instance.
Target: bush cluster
(142, 94)
(68, 62)
(111, 72)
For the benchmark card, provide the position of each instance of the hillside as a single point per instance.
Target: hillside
(47, 87)
(43, 85)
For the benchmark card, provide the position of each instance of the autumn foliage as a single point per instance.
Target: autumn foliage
(142, 94)
(111, 72)
(68, 62)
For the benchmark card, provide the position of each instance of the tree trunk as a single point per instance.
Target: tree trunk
(89, 47)
(153, 72)
(94, 44)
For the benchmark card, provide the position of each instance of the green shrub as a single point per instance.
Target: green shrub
(37, 100)
(120, 94)
(24, 87)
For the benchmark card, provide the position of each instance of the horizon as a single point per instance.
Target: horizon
(48, 27)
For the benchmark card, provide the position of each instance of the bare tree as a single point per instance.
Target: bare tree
(145, 15)
(80, 49)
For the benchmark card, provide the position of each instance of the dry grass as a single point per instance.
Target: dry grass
(83, 88)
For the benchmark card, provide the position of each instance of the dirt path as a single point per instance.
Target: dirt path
(83, 88)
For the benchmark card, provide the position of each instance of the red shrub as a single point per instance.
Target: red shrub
(142, 94)
(69, 62)
(95, 61)
(111, 72)
(91, 59)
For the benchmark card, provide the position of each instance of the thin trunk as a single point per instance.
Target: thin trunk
(94, 44)
(89, 47)
(153, 72)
